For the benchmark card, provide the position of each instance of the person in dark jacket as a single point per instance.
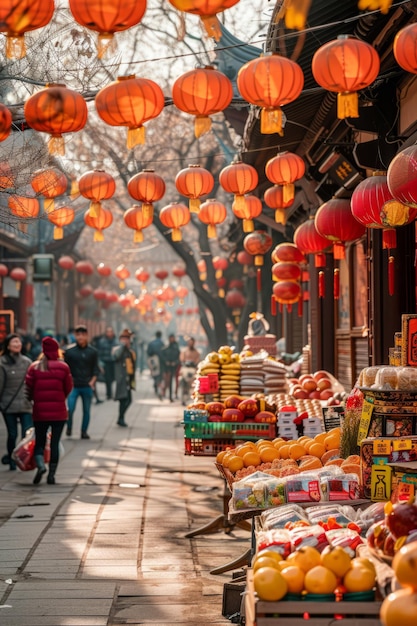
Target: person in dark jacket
(105, 345)
(48, 384)
(170, 357)
(154, 360)
(125, 365)
(13, 402)
(82, 359)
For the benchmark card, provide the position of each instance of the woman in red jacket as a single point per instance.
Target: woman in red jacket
(48, 384)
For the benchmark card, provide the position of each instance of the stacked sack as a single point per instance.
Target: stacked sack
(275, 377)
(229, 375)
(252, 373)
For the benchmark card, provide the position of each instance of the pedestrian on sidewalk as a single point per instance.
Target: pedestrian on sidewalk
(105, 345)
(170, 357)
(125, 365)
(82, 359)
(48, 384)
(154, 360)
(13, 403)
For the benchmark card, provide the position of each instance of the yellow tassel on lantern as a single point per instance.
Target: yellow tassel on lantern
(58, 232)
(138, 236)
(288, 192)
(56, 145)
(221, 293)
(94, 210)
(135, 136)
(202, 125)
(248, 226)
(258, 259)
(239, 203)
(212, 26)
(176, 234)
(98, 235)
(75, 190)
(194, 205)
(271, 121)
(339, 250)
(280, 216)
(393, 213)
(347, 104)
(373, 5)
(147, 210)
(211, 231)
(106, 45)
(15, 47)
(48, 205)
(296, 14)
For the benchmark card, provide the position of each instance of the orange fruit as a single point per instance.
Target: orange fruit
(264, 561)
(303, 439)
(294, 577)
(320, 580)
(305, 557)
(241, 450)
(277, 439)
(251, 458)
(269, 584)
(296, 451)
(332, 441)
(284, 452)
(273, 554)
(307, 445)
(399, 607)
(359, 578)
(268, 454)
(278, 444)
(220, 455)
(320, 437)
(235, 463)
(227, 457)
(317, 449)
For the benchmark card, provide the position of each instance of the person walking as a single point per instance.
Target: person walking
(48, 383)
(170, 361)
(190, 354)
(125, 365)
(13, 403)
(105, 345)
(82, 359)
(154, 360)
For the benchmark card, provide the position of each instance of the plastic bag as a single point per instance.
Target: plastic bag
(24, 452)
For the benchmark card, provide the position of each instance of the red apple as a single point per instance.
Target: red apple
(214, 418)
(300, 394)
(265, 417)
(249, 407)
(402, 519)
(304, 377)
(314, 395)
(321, 374)
(232, 415)
(215, 408)
(232, 402)
(324, 383)
(309, 384)
(326, 394)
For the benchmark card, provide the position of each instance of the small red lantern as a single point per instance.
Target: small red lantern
(84, 267)
(56, 110)
(137, 219)
(104, 220)
(238, 178)
(130, 102)
(146, 187)
(122, 273)
(404, 48)
(244, 258)
(274, 198)
(18, 18)
(345, 66)
(202, 92)
(20, 206)
(249, 210)
(18, 274)
(104, 270)
(193, 182)
(86, 291)
(270, 82)
(334, 220)
(60, 217)
(235, 299)
(99, 294)
(50, 182)
(181, 293)
(257, 244)
(161, 275)
(402, 176)
(142, 275)
(207, 10)
(96, 185)
(220, 264)
(175, 215)
(5, 122)
(285, 169)
(4, 270)
(202, 269)
(179, 271)
(212, 212)
(287, 292)
(309, 241)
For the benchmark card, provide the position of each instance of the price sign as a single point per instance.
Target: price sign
(367, 409)
(208, 384)
(332, 416)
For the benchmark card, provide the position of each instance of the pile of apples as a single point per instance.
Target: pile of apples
(399, 527)
(400, 607)
(306, 570)
(317, 386)
(239, 409)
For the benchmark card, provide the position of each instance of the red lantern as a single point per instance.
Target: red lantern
(270, 82)
(137, 219)
(286, 271)
(99, 293)
(86, 290)
(202, 269)
(285, 169)
(6, 176)
(161, 275)
(146, 187)
(235, 299)
(103, 269)
(122, 273)
(50, 182)
(238, 178)
(112, 297)
(334, 220)
(61, 217)
(56, 110)
(18, 17)
(130, 102)
(104, 220)
(287, 253)
(220, 264)
(236, 283)
(202, 92)
(404, 48)
(287, 292)
(96, 185)
(402, 176)
(5, 122)
(257, 244)
(18, 274)
(181, 293)
(309, 241)
(194, 182)
(26, 208)
(179, 312)
(274, 198)
(250, 209)
(212, 212)
(107, 18)
(244, 258)
(207, 10)
(4, 270)
(142, 276)
(179, 271)
(84, 267)
(345, 66)
(175, 215)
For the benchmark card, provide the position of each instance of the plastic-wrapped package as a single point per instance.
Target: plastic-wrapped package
(342, 515)
(304, 488)
(368, 375)
(373, 513)
(250, 492)
(314, 536)
(341, 487)
(386, 378)
(276, 539)
(346, 538)
(407, 378)
(280, 517)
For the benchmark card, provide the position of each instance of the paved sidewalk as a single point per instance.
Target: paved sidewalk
(106, 545)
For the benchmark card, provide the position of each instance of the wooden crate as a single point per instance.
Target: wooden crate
(259, 613)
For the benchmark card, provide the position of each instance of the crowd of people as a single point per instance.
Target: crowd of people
(42, 379)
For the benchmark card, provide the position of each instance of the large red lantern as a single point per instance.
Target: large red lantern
(274, 199)
(202, 92)
(122, 273)
(345, 66)
(309, 241)
(334, 220)
(21, 206)
(18, 17)
(287, 252)
(270, 82)
(286, 271)
(5, 122)
(99, 223)
(146, 187)
(193, 182)
(96, 185)
(137, 219)
(402, 176)
(207, 10)
(107, 18)
(56, 110)
(247, 211)
(212, 212)
(66, 263)
(60, 217)
(175, 215)
(238, 178)
(104, 270)
(235, 299)
(405, 49)
(284, 169)
(257, 244)
(84, 267)
(130, 101)
(50, 182)
(287, 292)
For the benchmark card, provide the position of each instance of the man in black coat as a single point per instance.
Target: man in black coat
(105, 345)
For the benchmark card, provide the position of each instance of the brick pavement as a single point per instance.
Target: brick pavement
(106, 545)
